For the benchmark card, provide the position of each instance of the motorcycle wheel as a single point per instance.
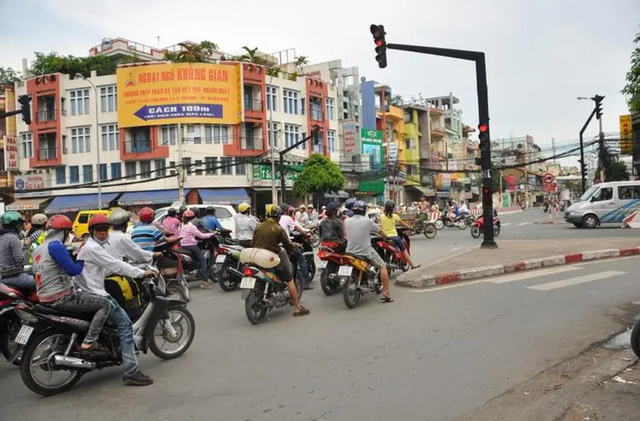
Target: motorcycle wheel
(175, 292)
(635, 339)
(439, 224)
(430, 231)
(7, 335)
(38, 355)
(475, 231)
(349, 292)
(315, 240)
(462, 224)
(496, 230)
(311, 266)
(227, 282)
(328, 287)
(255, 313)
(184, 330)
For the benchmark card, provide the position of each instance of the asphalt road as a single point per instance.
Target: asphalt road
(431, 355)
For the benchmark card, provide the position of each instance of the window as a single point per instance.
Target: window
(198, 167)
(303, 106)
(241, 166)
(168, 135)
(87, 173)
(628, 192)
(605, 193)
(130, 169)
(223, 213)
(273, 133)
(161, 167)
(331, 140)
(145, 169)
(409, 143)
(61, 175)
(210, 165)
(330, 108)
(79, 100)
(116, 170)
(291, 134)
(26, 145)
(290, 101)
(83, 218)
(108, 99)
(272, 98)
(74, 174)
(110, 137)
(193, 134)
(80, 139)
(217, 135)
(227, 166)
(186, 164)
(103, 172)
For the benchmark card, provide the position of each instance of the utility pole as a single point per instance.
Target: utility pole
(553, 147)
(180, 167)
(316, 139)
(274, 141)
(583, 169)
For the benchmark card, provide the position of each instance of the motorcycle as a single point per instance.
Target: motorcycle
(425, 227)
(51, 339)
(189, 266)
(9, 321)
(477, 228)
(314, 238)
(262, 290)
(357, 278)
(175, 283)
(392, 255)
(227, 258)
(307, 252)
(458, 221)
(330, 262)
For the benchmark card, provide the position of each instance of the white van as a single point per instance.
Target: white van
(605, 203)
(224, 213)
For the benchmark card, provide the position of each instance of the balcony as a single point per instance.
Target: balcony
(316, 114)
(47, 115)
(46, 154)
(137, 146)
(252, 143)
(437, 131)
(251, 104)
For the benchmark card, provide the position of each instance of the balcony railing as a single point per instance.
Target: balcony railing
(252, 104)
(316, 114)
(46, 115)
(252, 143)
(48, 154)
(137, 146)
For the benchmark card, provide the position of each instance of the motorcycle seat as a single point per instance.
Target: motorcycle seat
(47, 309)
(12, 292)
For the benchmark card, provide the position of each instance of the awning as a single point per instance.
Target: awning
(78, 202)
(340, 195)
(223, 196)
(150, 197)
(425, 190)
(27, 204)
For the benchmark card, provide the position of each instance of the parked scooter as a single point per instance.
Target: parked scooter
(478, 227)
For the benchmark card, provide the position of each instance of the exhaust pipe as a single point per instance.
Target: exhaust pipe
(236, 272)
(73, 362)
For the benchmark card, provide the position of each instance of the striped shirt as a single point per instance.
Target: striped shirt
(147, 236)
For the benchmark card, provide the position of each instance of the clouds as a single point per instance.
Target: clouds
(540, 55)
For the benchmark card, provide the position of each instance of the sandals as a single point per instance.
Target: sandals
(303, 312)
(205, 285)
(308, 287)
(386, 299)
(416, 266)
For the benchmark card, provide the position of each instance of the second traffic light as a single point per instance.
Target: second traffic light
(25, 107)
(584, 170)
(381, 45)
(483, 137)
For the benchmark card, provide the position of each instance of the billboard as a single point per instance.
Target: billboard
(32, 185)
(350, 141)
(179, 93)
(371, 141)
(626, 135)
(11, 153)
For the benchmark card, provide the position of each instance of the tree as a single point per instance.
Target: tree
(300, 62)
(632, 88)
(251, 55)
(397, 101)
(193, 53)
(617, 171)
(8, 75)
(70, 65)
(273, 71)
(319, 175)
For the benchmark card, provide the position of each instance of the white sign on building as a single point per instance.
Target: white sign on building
(32, 185)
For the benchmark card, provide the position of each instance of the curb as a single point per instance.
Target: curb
(548, 222)
(431, 280)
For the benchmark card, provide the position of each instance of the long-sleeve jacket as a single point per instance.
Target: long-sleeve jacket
(12, 254)
(121, 245)
(190, 233)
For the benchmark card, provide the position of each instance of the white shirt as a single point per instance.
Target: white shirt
(121, 245)
(245, 225)
(463, 208)
(98, 265)
(288, 223)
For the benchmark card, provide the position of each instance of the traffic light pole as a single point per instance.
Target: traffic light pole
(582, 165)
(283, 184)
(483, 114)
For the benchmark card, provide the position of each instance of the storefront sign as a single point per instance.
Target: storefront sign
(32, 185)
(11, 153)
(350, 142)
(262, 175)
(626, 135)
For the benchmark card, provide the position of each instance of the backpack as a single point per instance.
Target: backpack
(127, 293)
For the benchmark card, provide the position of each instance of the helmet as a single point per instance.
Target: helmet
(332, 208)
(211, 210)
(243, 207)
(39, 219)
(359, 206)
(188, 214)
(11, 219)
(284, 206)
(302, 207)
(389, 205)
(172, 212)
(274, 211)
(349, 203)
(182, 210)
(119, 217)
(146, 215)
(59, 222)
(310, 206)
(98, 220)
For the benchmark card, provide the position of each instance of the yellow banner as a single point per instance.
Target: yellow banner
(626, 135)
(150, 95)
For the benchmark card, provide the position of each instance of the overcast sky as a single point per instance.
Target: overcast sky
(541, 54)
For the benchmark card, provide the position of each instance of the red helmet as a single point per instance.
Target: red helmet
(146, 215)
(99, 220)
(188, 214)
(59, 222)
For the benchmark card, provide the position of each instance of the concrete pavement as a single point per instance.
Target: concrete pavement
(432, 355)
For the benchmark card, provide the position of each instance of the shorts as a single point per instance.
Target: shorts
(375, 259)
(398, 242)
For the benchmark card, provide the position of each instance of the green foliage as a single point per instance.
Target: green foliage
(397, 101)
(8, 75)
(617, 171)
(193, 53)
(273, 71)
(252, 56)
(319, 175)
(70, 65)
(632, 88)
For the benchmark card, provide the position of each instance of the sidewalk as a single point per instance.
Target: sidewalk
(516, 255)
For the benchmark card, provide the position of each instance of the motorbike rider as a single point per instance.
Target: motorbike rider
(302, 217)
(181, 212)
(171, 223)
(313, 216)
(211, 223)
(98, 264)
(245, 225)
(331, 229)
(13, 256)
(38, 222)
(54, 268)
(424, 208)
(269, 235)
(145, 235)
(388, 222)
(121, 245)
(348, 204)
(190, 235)
(463, 209)
(289, 225)
(359, 229)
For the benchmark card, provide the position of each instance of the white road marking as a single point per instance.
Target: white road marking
(636, 303)
(577, 280)
(506, 224)
(443, 287)
(524, 223)
(531, 274)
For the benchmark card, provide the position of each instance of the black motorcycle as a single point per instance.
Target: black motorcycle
(307, 252)
(226, 266)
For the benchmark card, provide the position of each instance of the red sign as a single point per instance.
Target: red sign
(548, 178)
(549, 187)
(11, 153)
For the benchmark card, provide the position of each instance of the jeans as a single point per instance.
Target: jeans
(197, 253)
(301, 262)
(24, 280)
(82, 302)
(124, 327)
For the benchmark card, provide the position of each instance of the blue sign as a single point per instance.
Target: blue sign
(159, 112)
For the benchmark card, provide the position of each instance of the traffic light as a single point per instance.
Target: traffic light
(598, 99)
(584, 170)
(483, 137)
(381, 45)
(25, 107)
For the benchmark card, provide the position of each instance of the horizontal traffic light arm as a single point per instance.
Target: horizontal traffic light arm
(444, 52)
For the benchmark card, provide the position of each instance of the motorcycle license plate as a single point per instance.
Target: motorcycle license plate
(322, 264)
(24, 335)
(345, 271)
(247, 282)
(221, 258)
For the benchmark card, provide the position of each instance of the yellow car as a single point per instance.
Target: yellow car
(81, 223)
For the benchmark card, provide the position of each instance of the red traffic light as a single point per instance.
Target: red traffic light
(379, 42)
(483, 128)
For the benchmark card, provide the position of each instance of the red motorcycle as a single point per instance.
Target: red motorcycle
(9, 322)
(478, 226)
(330, 262)
(392, 255)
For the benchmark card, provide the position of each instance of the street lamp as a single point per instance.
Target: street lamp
(95, 95)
